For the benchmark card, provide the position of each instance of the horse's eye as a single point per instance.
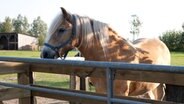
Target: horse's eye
(61, 30)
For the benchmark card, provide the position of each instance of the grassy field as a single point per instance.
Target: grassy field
(56, 80)
(28, 54)
(177, 58)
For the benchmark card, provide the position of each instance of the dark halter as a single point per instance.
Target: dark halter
(56, 48)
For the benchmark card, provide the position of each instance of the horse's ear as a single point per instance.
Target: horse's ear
(66, 15)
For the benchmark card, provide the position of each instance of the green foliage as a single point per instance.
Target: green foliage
(6, 26)
(174, 40)
(25, 25)
(39, 29)
(21, 24)
(41, 39)
(1, 26)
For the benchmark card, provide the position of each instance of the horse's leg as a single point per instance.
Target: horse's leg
(155, 94)
(149, 95)
(141, 88)
(121, 87)
(159, 92)
(99, 84)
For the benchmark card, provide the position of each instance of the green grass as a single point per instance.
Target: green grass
(177, 58)
(57, 80)
(9, 78)
(28, 54)
(52, 80)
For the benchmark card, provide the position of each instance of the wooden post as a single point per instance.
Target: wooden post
(87, 83)
(175, 93)
(77, 83)
(27, 79)
(72, 82)
(80, 83)
(72, 85)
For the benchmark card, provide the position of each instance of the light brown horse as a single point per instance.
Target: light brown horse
(99, 42)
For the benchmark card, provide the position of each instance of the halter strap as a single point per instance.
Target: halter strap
(56, 48)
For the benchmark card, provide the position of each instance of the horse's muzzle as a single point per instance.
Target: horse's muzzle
(48, 54)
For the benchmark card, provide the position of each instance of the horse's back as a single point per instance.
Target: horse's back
(152, 51)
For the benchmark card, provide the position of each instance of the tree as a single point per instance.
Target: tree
(41, 39)
(25, 25)
(39, 29)
(135, 25)
(6, 26)
(174, 40)
(21, 24)
(1, 26)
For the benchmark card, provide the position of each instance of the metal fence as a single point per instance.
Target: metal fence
(108, 70)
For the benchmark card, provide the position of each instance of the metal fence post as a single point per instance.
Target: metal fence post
(109, 85)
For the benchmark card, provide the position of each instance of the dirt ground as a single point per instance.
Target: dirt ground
(40, 100)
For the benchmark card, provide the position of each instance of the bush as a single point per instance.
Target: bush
(174, 40)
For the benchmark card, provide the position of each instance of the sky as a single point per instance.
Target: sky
(157, 16)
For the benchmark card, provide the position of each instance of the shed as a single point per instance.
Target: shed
(15, 41)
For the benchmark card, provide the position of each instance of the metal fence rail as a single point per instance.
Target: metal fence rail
(59, 92)
(108, 67)
(101, 64)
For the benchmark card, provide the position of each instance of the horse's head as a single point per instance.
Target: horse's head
(61, 36)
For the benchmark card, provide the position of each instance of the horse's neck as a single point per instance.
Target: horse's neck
(122, 50)
(117, 49)
(92, 51)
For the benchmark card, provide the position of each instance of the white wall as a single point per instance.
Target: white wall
(24, 40)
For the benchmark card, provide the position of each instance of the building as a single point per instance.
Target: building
(15, 41)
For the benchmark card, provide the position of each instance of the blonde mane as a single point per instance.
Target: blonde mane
(92, 30)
